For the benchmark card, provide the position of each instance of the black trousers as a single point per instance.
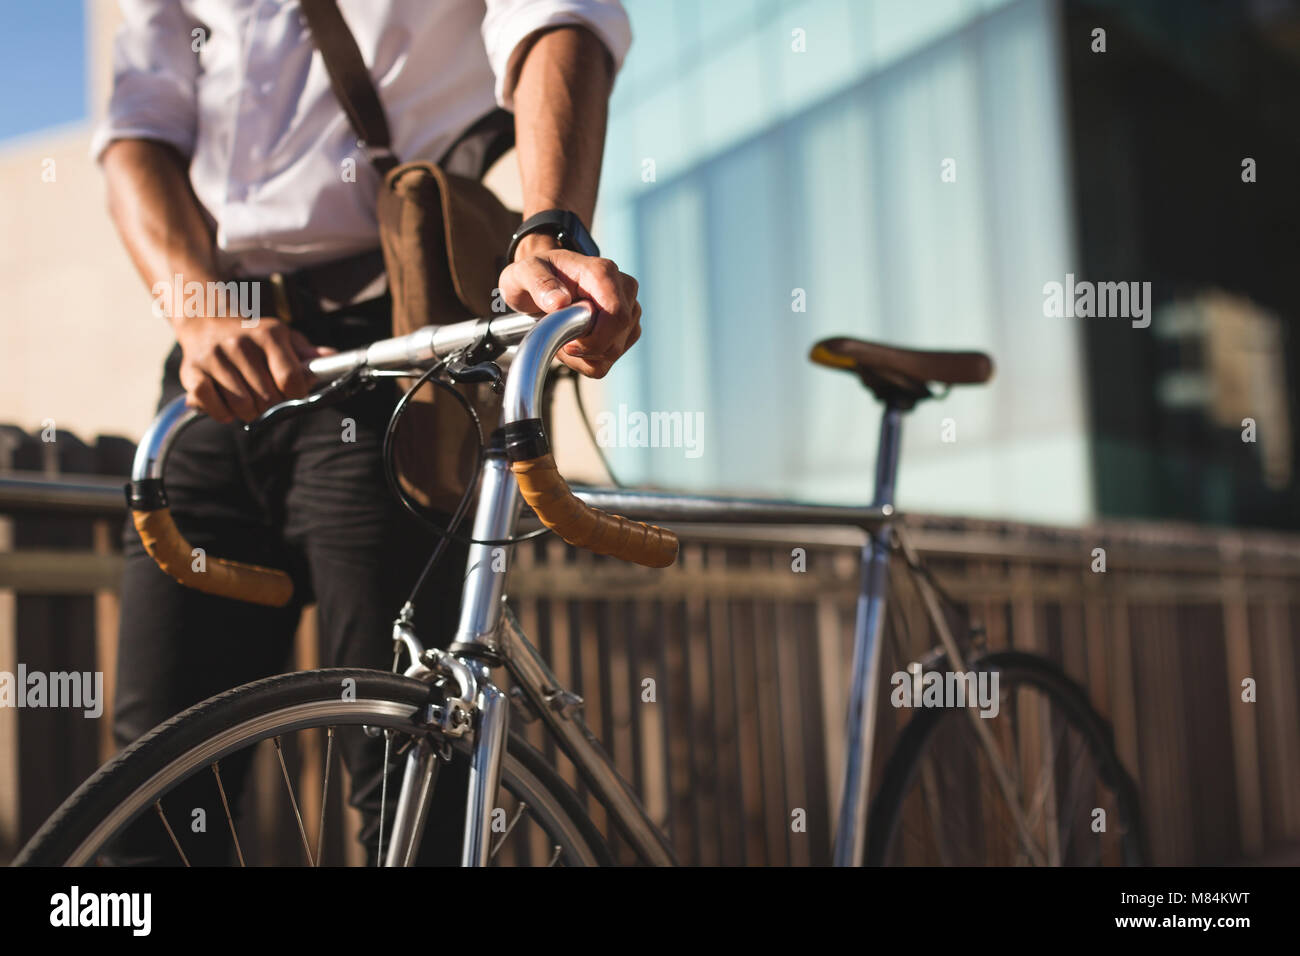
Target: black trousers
(308, 495)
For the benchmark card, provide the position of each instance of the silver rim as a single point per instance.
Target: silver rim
(315, 714)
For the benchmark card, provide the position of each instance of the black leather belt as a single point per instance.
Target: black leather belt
(321, 289)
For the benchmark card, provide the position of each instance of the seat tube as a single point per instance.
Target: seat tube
(851, 829)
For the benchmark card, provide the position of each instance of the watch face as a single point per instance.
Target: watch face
(576, 237)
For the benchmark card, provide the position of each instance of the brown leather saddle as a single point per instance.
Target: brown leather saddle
(902, 377)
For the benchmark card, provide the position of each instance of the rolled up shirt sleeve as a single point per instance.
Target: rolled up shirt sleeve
(155, 74)
(508, 23)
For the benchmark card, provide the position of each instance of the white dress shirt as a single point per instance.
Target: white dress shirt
(237, 86)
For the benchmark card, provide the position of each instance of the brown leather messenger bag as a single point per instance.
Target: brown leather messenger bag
(444, 236)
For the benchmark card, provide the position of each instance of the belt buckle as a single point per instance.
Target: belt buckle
(282, 297)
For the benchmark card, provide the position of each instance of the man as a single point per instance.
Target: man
(223, 149)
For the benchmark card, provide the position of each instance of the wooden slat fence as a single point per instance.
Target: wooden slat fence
(719, 685)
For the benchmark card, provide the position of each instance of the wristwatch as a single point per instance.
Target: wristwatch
(564, 225)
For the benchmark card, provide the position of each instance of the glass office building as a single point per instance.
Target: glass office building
(778, 171)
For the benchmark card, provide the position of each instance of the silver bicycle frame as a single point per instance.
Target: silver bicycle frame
(486, 624)
(488, 634)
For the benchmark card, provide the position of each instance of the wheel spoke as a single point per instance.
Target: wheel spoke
(1073, 794)
(519, 812)
(176, 843)
(325, 794)
(934, 810)
(1008, 779)
(1043, 787)
(293, 801)
(230, 821)
(1048, 781)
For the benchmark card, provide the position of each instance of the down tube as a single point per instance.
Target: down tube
(530, 672)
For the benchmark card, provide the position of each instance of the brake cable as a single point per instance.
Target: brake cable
(419, 510)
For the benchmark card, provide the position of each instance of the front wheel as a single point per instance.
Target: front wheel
(151, 791)
(1043, 786)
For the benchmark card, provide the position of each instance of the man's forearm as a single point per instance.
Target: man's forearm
(561, 92)
(156, 213)
(228, 370)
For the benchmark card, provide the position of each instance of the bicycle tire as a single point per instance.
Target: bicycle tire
(1016, 667)
(129, 783)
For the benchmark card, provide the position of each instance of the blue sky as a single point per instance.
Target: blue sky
(42, 65)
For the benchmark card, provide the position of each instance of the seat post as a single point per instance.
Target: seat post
(851, 828)
(887, 453)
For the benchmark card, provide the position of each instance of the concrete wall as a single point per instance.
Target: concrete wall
(80, 344)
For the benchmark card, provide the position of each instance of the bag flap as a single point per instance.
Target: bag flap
(476, 227)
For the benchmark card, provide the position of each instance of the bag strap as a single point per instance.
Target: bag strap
(474, 151)
(350, 80)
(490, 137)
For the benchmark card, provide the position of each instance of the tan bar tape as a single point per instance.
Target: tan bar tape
(231, 579)
(583, 526)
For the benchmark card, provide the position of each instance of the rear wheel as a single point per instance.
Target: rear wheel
(538, 820)
(942, 799)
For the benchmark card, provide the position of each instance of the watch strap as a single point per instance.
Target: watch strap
(565, 226)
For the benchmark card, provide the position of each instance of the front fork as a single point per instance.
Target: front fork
(485, 773)
(476, 708)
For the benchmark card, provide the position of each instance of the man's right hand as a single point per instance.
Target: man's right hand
(230, 372)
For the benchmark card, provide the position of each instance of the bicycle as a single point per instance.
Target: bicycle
(445, 706)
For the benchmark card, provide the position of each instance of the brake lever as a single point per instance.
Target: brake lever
(353, 383)
(461, 372)
(477, 363)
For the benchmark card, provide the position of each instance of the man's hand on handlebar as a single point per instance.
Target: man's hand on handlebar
(545, 278)
(230, 372)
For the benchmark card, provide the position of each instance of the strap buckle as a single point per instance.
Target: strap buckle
(381, 157)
